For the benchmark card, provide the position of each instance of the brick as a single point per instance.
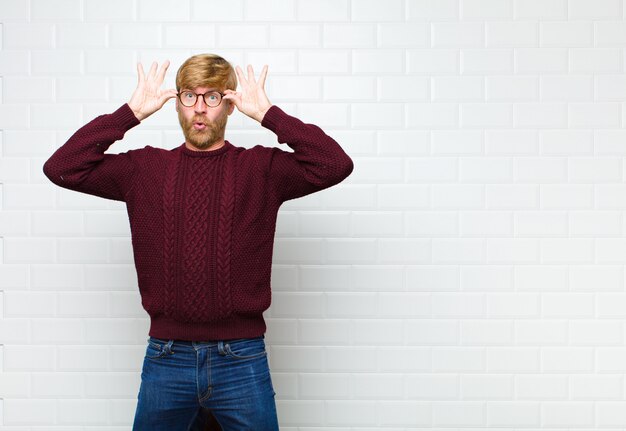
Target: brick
(349, 88)
(512, 88)
(448, 89)
(236, 36)
(568, 414)
(541, 9)
(269, 10)
(433, 62)
(29, 412)
(323, 10)
(82, 304)
(55, 10)
(571, 250)
(486, 278)
(82, 35)
(544, 278)
(29, 250)
(296, 88)
(514, 414)
(610, 33)
(485, 224)
(457, 142)
(592, 333)
(488, 170)
(462, 196)
(512, 359)
(566, 34)
(486, 387)
(111, 11)
(325, 332)
(373, 224)
(432, 115)
(565, 196)
(491, 115)
(452, 414)
(323, 386)
(431, 224)
(300, 36)
(326, 61)
(28, 36)
(433, 10)
(541, 333)
(596, 60)
(388, 61)
(14, 10)
(458, 250)
(511, 142)
(538, 115)
(566, 142)
(512, 34)
(594, 115)
(463, 34)
(430, 169)
(486, 61)
(598, 278)
(540, 169)
(398, 35)
(57, 331)
(601, 9)
(486, 9)
(541, 60)
(29, 358)
(513, 305)
(481, 333)
(500, 250)
(512, 196)
(536, 224)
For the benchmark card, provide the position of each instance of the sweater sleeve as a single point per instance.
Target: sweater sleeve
(81, 165)
(317, 160)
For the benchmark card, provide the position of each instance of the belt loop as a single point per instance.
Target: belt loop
(220, 348)
(168, 347)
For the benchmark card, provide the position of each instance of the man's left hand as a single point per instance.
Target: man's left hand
(251, 99)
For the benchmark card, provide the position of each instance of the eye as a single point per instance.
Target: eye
(214, 97)
(188, 95)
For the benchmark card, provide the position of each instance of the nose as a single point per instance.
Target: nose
(200, 106)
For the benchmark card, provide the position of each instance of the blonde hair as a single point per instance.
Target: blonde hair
(206, 70)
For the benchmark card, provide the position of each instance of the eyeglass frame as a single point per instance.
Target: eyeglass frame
(203, 98)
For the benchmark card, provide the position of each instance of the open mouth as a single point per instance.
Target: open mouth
(199, 126)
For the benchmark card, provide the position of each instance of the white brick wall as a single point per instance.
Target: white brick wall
(469, 274)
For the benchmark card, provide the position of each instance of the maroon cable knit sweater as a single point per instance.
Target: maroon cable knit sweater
(202, 222)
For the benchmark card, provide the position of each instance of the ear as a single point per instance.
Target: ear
(231, 107)
(176, 104)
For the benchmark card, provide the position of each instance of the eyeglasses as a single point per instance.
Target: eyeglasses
(211, 98)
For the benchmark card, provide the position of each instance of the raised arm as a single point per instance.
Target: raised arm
(81, 163)
(317, 161)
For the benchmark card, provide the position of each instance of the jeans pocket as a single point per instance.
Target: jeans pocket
(156, 348)
(247, 349)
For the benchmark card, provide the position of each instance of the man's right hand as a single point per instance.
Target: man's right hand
(148, 96)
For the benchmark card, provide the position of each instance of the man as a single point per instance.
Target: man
(202, 219)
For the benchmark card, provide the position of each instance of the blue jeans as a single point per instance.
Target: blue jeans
(181, 379)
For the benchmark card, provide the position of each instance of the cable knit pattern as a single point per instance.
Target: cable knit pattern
(169, 238)
(224, 238)
(202, 222)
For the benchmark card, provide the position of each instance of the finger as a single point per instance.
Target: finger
(242, 80)
(251, 74)
(161, 76)
(263, 76)
(167, 95)
(140, 74)
(153, 70)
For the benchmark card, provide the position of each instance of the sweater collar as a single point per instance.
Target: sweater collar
(211, 153)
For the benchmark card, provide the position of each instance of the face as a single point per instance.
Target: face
(203, 126)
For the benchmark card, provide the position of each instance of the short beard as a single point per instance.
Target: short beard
(203, 139)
